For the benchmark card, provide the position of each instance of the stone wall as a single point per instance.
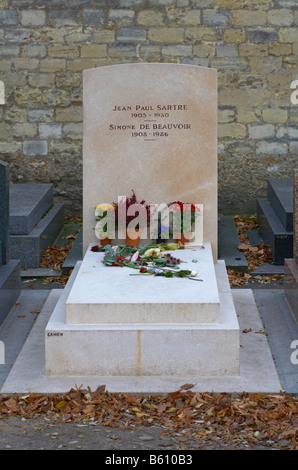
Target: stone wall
(252, 43)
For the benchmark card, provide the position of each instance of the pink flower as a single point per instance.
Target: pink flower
(134, 256)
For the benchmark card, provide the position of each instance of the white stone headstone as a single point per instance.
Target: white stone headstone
(151, 128)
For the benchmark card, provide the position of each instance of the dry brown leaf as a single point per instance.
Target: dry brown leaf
(187, 386)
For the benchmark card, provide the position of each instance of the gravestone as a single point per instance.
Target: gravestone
(151, 128)
(10, 269)
(275, 218)
(291, 264)
(156, 136)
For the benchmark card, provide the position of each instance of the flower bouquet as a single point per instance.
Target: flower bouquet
(105, 226)
(184, 216)
(147, 260)
(133, 217)
(160, 223)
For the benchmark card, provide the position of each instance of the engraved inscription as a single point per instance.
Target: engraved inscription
(150, 122)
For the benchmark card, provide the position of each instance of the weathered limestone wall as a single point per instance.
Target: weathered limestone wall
(252, 43)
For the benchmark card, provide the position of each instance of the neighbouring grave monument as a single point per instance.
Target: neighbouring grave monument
(35, 221)
(291, 264)
(275, 218)
(151, 128)
(10, 269)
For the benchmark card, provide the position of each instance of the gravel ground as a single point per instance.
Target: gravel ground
(42, 434)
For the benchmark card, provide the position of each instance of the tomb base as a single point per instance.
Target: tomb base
(178, 345)
(103, 294)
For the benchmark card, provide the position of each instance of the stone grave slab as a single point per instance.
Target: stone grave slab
(275, 218)
(280, 195)
(151, 128)
(258, 372)
(273, 232)
(29, 248)
(18, 325)
(291, 264)
(28, 204)
(123, 297)
(228, 242)
(75, 254)
(10, 286)
(10, 269)
(35, 221)
(144, 349)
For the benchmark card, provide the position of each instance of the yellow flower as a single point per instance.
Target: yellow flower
(153, 252)
(105, 207)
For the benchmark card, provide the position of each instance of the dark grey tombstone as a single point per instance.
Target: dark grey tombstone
(4, 211)
(10, 269)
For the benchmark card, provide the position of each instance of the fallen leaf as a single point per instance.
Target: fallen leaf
(10, 403)
(262, 333)
(237, 420)
(243, 247)
(141, 415)
(289, 433)
(61, 404)
(171, 410)
(161, 408)
(187, 386)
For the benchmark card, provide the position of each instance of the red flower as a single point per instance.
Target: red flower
(143, 270)
(94, 248)
(179, 206)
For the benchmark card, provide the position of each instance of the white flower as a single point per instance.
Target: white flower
(193, 273)
(155, 270)
(153, 252)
